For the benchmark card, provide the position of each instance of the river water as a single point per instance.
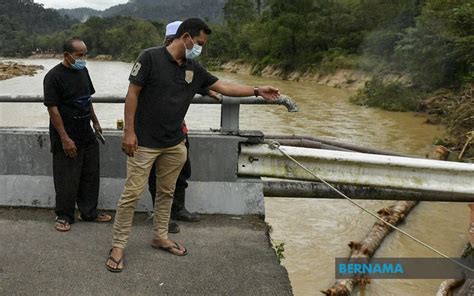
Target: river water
(314, 231)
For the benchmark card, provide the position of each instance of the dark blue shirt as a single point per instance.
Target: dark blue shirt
(70, 90)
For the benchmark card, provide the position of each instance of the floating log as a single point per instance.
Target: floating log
(447, 287)
(365, 249)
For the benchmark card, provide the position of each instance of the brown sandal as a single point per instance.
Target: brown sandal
(110, 268)
(62, 225)
(101, 218)
(171, 249)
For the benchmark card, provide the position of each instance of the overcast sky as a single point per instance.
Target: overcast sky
(96, 4)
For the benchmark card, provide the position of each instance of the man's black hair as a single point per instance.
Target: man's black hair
(193, 26)
(68, 45)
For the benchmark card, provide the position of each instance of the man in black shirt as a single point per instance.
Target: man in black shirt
(163, 82)
(67, 94)
(178, 209)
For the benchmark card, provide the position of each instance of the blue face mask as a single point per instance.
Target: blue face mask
(194, 52)
(78, 64)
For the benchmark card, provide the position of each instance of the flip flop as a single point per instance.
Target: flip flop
(101, 218)
(170, 249)
(110, 268)
(62, 225)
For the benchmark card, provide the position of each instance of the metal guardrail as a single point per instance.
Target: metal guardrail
(323, 143)
(230, 106)
(304, 189)
(361, 169)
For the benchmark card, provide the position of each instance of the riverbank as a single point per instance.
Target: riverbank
(9, 70)
(456, 111)
(100, 57)
(12, 69)
(340, 78)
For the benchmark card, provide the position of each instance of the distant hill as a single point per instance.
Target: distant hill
(30, 17)
(157, 10)
(22, 20)
(81, 14)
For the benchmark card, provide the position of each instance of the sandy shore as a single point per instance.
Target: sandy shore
(10, 70)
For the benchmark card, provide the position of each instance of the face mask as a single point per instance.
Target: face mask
(194, 52)
(78, 64)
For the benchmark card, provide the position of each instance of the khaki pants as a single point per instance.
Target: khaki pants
(169, 162)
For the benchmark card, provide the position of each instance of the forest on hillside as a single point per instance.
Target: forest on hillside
(21, 21)
(432, 40)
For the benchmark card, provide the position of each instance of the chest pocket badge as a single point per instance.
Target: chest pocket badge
(189, 76)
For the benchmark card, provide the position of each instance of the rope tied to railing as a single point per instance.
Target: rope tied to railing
(274, 145)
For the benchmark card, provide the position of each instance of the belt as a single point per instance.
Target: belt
(82, 117)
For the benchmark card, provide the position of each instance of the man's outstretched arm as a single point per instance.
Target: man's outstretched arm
(240, 90)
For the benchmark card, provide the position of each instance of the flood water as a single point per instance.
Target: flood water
(314, 231)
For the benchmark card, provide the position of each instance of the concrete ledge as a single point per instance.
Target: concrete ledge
(26, 151)
(26, 177)
(235, 198)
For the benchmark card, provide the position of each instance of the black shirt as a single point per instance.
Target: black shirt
(70, 90)
(168, 89)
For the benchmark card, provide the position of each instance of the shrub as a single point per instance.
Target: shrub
(391, 96)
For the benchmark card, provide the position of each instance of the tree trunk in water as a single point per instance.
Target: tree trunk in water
(365, 249)
(448, 286)
(395, 214)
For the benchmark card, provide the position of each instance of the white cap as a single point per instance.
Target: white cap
(172, 28)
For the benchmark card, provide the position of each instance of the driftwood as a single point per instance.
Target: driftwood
(447, 287)
(470, 137)
(10, 70)
(456, 112)
(365, 249)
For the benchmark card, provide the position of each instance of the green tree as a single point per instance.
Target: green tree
(239, 12)
(21, 21)
(439, 50)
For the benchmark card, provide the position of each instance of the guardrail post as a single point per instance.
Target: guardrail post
(230, 116)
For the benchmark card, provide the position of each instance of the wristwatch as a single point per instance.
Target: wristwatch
(255, 91)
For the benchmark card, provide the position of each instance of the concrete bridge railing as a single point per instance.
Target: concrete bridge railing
(230, 106)
(214, 188)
